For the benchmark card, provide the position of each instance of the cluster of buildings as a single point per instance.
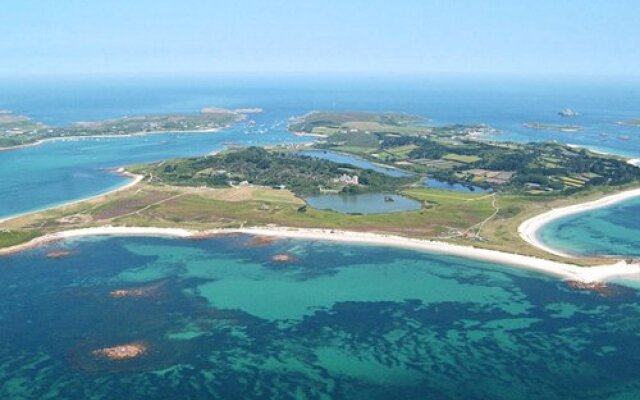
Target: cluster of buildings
(348, 179)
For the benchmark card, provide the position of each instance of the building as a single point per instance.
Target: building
(349, 180)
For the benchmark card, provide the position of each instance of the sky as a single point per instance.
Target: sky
(182, 37)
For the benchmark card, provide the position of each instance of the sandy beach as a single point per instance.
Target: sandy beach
(547, 267)
(528, 230)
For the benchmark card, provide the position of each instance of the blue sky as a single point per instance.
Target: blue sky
(181, 37)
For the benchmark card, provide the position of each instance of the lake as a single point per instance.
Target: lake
(355, 161)
(363, 203)
(456, 187)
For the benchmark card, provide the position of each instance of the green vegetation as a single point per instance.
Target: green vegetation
(17, 130)
(445, 215)
(12, 238)
(301, 174)
(327, 123)
(453, 154)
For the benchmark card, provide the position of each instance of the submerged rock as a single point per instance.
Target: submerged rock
(145, 291)
(54, 254)
(259, 241)
(284, 257)
(601, 288)
(122, 352)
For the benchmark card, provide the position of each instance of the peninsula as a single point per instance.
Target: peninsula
(18, 130)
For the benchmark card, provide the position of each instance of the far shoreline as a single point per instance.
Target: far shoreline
(108, 136)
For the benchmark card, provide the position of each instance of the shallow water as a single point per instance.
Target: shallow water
(221, 319)
(364, 203)
(613, 230)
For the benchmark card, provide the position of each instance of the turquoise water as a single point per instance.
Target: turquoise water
(363, 203)
(614, 230)
(221, 319)
(42, 176)
(355, 161)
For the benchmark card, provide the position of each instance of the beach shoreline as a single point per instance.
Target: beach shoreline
(108, 136)
(547, 267)
(134, 180)
(529, 229)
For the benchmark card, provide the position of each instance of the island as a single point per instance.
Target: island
(631, 122)
(267, 191)
(18, 130)
(552, 127)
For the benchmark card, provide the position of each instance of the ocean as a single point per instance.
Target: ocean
(221, 318)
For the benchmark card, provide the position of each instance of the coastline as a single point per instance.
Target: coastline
(551, 268)
(108, 136)
(134, 180)
(529, 229)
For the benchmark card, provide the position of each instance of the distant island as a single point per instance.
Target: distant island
(552, 127)
(17, 130)
(632, 122)
(328, 123)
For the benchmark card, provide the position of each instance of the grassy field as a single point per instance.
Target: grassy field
(465, 159)
(197, 208)
(477, 219)
(12, 238)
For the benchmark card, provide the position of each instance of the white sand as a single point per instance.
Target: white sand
(528, 230)
(568, 271)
